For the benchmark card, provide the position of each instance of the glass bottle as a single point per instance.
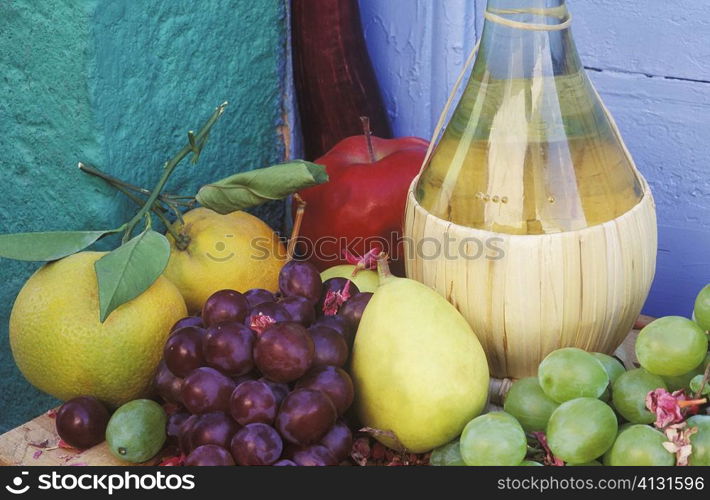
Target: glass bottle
(529, 149)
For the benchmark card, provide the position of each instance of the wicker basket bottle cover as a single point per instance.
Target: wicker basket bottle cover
(529, 214)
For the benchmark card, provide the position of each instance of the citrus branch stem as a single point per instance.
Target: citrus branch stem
(368, 137)
(116, 182)
(156, 210)
(298, 219)
(194, 145)
(120, 186)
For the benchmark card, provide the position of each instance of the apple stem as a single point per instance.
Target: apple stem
(300, 210)
(368, 137)
(383, 268)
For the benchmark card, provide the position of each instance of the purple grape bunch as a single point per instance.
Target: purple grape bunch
(259, 377)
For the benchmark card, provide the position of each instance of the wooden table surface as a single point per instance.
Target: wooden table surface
(36, 442)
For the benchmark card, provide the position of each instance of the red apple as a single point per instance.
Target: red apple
(362, 206)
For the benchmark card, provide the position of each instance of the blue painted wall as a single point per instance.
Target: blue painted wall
(650, 61)
(118, 83)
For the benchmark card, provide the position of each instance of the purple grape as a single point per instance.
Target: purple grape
(279, 389)
(257, 296)
(188, 321)
(252, 375)
(175, 421)
(316, 455)
(330, 346)
(167, 385)
(82, 421)
(205, 390)
(183, 351)
(265, 315)
(209, 455)
(300, 309)
(334, 382)
(302, 279)
(223, 306)
(284, 352)
(212, 428)
(284, 462)
(253, 402)
(305, 416)
(340, 325)
(185, 433)
(334, 294)
(354, 307)
(256, 444)
(339, 440)
(228, 348)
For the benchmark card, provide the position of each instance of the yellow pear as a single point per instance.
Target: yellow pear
(419, 370)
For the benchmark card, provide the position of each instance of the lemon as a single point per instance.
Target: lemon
(63, 349)
(236, 251)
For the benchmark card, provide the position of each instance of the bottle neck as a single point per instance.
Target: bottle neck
(526, 39)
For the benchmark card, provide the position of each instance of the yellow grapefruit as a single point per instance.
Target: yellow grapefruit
(63, 349)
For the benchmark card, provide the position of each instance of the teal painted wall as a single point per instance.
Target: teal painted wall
(118, 83)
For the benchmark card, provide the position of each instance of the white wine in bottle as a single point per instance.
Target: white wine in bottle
(532, 167)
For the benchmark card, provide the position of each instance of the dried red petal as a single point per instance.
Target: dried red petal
(549, 459)
(360, 451)
(39, 444)
(379, 452)
(173, 461)
(367, 261)
(65, 446)
(679, 441)
(665, 406)
(333, 300)
(261, 322)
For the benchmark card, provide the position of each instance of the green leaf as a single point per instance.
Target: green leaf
(47, 246)
(249, 189)
(129, 270)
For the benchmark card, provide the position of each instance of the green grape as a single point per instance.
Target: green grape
(495, 438)
(607, 456)
(701, 312)
(628, 395)
(696, 384)
(449, 454)
(528, 403)
(613, 366)
(586, 464)
(640, 445)
(528, 463)
(671, 346)
(700, 440)
(581, 430)
(570, 373)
